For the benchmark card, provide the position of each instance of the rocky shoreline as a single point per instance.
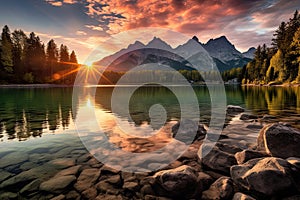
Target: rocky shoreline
(253, 159)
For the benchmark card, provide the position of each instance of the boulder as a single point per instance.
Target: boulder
(241, 196)
(280, 140)
(180, 182)
(133, 186)
(264, 176)
(222, 188)
(57, 184)
(86, 179)
(294, 161)
(73, 195)
(248, 154)
(90, 193)
(231, 109)
(220, 158)
(205, 179)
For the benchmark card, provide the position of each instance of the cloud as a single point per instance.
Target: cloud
(54, 3)
(59, 3)
(69, 1)
(81, 33)
(245, 23)
(95, 28)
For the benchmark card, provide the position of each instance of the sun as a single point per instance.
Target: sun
(89, 66)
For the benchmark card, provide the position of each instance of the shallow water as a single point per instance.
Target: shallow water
(40, 126)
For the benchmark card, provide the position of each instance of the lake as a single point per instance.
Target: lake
(27, 113)
(39, 126)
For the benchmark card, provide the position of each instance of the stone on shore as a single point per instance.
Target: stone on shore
(177, 183)
(241, 196)
(264, 176)
(220, 189)
(248, 154)
(220, 158)
(280, 140)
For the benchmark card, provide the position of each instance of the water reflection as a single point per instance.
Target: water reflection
(27, 112)
(283, 102)
(31, 111)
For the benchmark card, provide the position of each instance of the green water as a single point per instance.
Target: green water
(27, 113)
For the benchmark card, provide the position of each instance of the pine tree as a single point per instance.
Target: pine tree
(6, 56)
(19, 40)
(73, 57)
(295, 55)
(52, 57)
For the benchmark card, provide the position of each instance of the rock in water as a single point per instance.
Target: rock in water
(188, 131)
(234, 109)
(57, 184)
(179, 183)
(246, 116)
(220, 189)
(86, 179)
(280, 140)
(264, 176)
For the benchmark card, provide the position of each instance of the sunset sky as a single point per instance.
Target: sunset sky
(83, 24)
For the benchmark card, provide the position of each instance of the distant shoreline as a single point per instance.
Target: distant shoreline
(33, 85)
(202, 84)
(273, 85)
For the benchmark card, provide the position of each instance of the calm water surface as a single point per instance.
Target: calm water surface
(27, 113)
(37, 125)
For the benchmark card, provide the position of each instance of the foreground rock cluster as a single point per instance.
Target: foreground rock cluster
(267, 169)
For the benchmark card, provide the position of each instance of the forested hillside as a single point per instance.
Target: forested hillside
(279, 63)
(25, 59)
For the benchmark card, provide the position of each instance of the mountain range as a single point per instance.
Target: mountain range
(217, 53)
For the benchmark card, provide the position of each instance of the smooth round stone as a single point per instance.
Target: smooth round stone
(57, 184)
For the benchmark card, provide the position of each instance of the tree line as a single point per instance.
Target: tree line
(26, 59)
(277, 64)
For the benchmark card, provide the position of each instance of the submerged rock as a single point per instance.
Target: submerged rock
(264, 176)
(13, 159)
(57, 184)
(280, 140)
(189, 131)
(246, 116)
(86, 179)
